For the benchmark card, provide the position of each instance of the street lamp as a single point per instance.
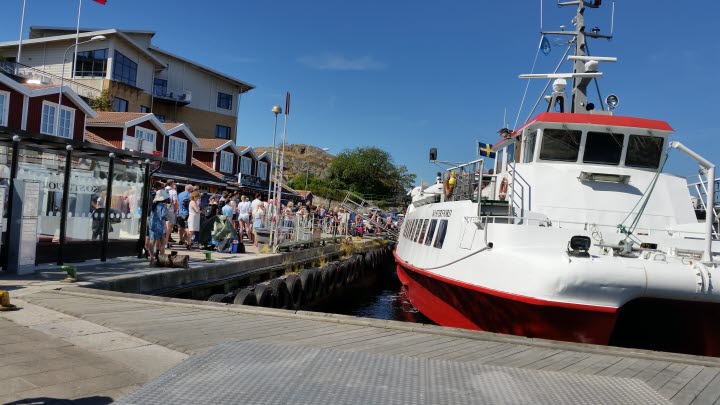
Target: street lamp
(277, 110)
(62, 78)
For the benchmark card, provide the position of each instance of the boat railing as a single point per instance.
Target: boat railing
(468, 181)
(563, 224)
(368, 212)
(699, 193)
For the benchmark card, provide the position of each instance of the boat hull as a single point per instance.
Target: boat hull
(453, 304)
(654, 324)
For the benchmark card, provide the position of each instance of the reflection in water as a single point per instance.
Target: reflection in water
(380, 296)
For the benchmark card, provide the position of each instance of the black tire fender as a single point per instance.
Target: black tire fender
(307, 279)
(280, 293)
(245, 296)
(295, 289)
(263, 296)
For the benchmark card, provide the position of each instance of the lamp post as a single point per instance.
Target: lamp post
(62, 78)
(276, 110)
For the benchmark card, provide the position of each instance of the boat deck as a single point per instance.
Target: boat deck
(627, 375)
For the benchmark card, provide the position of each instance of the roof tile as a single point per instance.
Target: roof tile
(109, 117)
(212, 143)
(94, 138)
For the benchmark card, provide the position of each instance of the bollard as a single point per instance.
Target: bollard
(71, 272)
(5, 304)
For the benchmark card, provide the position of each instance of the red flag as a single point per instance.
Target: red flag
(103, 2)
(287, 103)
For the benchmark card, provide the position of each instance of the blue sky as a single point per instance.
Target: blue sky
(409, 75)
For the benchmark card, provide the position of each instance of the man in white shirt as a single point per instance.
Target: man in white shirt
(171, 189)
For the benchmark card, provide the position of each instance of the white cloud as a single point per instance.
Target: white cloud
(339, 62)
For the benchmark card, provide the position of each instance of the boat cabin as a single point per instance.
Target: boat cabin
(588, 139)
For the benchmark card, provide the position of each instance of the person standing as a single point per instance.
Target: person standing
(244, 217)
(158, 216)
(183, 213)
(212, 208)
(258, 221)
(193, 218)
(171, 189)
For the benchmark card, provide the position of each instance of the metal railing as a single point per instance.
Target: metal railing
(699, 192)
(563, 224)
(366, 210)
(468, 181)
(42, 77)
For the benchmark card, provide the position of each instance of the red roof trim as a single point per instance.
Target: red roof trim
(597, 119)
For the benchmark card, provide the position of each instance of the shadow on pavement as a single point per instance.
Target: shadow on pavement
(95, 400)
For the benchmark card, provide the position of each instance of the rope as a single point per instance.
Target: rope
(527, 85)
(645, 198)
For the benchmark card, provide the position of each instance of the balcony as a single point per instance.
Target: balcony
(26, 74)
(179, 97)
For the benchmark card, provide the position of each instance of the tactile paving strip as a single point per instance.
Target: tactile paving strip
(250, 372)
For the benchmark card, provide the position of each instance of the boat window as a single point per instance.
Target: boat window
(409, 230)
(442, 230)
(518, 150)
(529, 147)
(431, 232)
(644, 151)
(423, 228)
(499, 161)
(510, 153)
(603, 148)
(416, 232)
(560, 145)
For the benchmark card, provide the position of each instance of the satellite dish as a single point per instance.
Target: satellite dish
(612, 101)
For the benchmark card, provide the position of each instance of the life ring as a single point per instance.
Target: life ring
(503, 190)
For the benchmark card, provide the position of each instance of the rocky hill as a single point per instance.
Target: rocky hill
(300, 158)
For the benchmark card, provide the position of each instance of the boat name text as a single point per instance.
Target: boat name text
(442, 213)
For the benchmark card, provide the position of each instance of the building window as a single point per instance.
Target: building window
(92, 63)
(124, 69)
(160, 87)
(67, 118)
(226, 162)
(144, 109)
(120, 104)
(160, 117)
(245, 165)
(146, 135)
(176, 149)
(262, 170)
(4, 108)
(223, 132)
(66, 121)
(224, 101)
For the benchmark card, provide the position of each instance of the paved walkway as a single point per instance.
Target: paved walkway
(41, 368)
(195, 328)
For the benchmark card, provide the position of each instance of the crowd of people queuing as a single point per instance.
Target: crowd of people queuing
(188, 209)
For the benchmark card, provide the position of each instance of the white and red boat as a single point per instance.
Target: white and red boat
(577, 234)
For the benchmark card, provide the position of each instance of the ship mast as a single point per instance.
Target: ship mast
(584, 68)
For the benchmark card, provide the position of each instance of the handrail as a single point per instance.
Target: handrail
(16, 69)
(556, 223)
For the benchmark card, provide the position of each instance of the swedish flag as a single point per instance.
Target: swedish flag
(485, 149)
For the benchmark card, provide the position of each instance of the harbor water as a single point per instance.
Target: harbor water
(379, 297)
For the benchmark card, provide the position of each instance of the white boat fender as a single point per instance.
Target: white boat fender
(703, 277)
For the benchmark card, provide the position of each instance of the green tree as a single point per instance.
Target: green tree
(103, 102)
(370, 170)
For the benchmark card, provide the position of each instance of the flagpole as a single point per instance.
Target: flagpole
(22, 28)
(77, 40)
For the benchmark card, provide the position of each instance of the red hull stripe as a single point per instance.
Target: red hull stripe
(505, 295)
